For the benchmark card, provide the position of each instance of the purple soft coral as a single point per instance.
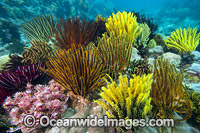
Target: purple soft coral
(37, 101)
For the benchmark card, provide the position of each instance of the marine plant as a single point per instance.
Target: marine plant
(167, 91)
(74, 32)
(123, 22)
(39, 28)
(38, 100)
(78, 69)
(37, 53)
(128, 99)
(184, 40)
(115, 52)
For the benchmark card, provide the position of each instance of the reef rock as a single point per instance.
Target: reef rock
(155, 51)
(196, 55)
(195, 67)
(135, 55)
(172, 58)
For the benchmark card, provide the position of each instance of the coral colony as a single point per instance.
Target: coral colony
(93, 73)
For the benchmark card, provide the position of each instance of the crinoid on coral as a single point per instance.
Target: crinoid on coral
(115, 52)
(74, 32)
(37, 53)
(195, 98)
(39, 28)
(183, 40)
(38, 101)
(78, 70)
(11, 82)
(127, 100)
(12, 64)
(139, 67)
(149, 21)
(123, 22)
(167, 92)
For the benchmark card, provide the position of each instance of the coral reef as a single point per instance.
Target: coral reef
(167, 91)
(127, 100)
(115, 52)
(123, 22)
(78, 70)
(37, 53)
(37, 101)
(184, 40)
(74, 32)
(39, 28)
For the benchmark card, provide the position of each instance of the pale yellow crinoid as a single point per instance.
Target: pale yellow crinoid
(183, 40)
(123, 22)
(127, 101)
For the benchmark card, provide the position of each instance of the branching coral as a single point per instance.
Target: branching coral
(37, 101)
(185, 40)
(167, 91)
(74, 32)
(127, 101)
(123, 22)
(39, 28)
(37, 53)
(115, 52)
(78, 70)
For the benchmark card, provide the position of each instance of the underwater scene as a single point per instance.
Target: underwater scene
(99, 66)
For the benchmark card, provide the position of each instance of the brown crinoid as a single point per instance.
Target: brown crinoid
(78, 70)
(115, 53)
(37, 53)
(74, 32)
(167, 91)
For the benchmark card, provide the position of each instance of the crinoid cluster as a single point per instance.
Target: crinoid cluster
(37, 101)
(167, 91)
(39, 28)
(139, 67)
(184, 40)
(12, 81)
(37, 53)
(141, 18)
(77, 69)
(115, 53)
(74, 32)
(123, 22)
(12, 64)
(128, 99)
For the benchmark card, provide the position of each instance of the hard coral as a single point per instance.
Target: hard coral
(127, 101)
(184, 41)
(37, 101)
(77, 69)
(74, 32)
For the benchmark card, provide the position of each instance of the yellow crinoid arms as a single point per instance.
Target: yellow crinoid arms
(128, 99)
(184, 40)
(123, 22)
